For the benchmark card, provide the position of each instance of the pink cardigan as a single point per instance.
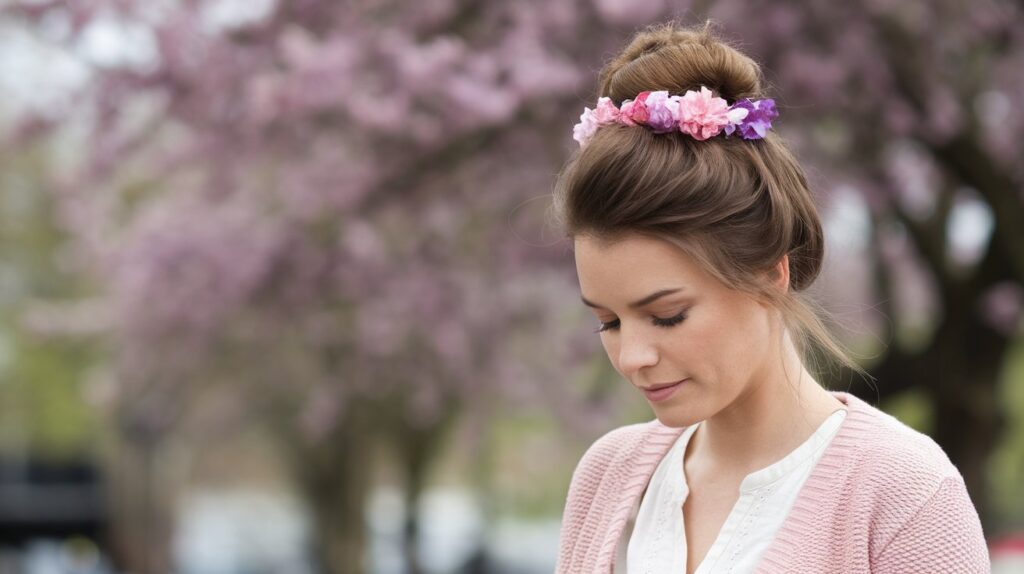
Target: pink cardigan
(883, 498)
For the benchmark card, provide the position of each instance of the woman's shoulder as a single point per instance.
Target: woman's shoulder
(892, 458)
(917, 499)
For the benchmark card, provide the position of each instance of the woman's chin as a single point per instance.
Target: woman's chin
(676, 417)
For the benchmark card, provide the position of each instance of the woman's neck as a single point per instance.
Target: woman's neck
(774, 415)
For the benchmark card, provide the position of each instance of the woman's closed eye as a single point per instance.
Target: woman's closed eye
(655, 320)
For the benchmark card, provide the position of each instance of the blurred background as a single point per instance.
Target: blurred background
(278, 293)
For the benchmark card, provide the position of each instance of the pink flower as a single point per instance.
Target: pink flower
(584, 130)
(702, 115)
(638, 111)
(606, 112)
(625, 113)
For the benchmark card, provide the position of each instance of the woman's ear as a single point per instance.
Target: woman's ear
(780, 274)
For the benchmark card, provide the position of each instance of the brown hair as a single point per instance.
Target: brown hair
(737, 206)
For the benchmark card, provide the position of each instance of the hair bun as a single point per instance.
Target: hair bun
(668, 57)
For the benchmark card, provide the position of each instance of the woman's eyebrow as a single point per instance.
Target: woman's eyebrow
(645, 301)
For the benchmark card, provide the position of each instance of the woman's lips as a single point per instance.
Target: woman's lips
(657, 393)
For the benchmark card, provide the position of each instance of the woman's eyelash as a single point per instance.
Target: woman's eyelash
(667, 322)
(671, 321)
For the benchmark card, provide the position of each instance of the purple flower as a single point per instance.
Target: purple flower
(757, 121)
(663, 112)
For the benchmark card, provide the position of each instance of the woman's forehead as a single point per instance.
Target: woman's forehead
(631, 250)
(637, 262)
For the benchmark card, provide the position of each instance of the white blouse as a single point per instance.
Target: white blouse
(654, 542)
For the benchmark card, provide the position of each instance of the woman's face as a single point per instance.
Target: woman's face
(663, 320)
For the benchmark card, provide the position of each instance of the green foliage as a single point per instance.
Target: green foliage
(41, 402)
(532, 470)
(913, 409)
(1007, 465)
(41, 393)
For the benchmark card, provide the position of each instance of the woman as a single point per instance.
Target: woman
(695, 235)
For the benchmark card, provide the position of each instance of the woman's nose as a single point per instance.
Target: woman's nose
(636, 351)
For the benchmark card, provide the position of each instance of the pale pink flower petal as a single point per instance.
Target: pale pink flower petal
(584, 130)
(701, 114)
(606, 112)
(626, 113)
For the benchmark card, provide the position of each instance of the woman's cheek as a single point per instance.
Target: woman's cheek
(612, 351)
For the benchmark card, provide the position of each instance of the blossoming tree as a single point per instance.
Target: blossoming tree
(306, 206)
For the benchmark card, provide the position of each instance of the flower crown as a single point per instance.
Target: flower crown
(698, 114)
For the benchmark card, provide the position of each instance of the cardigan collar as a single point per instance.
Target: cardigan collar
(658, 440)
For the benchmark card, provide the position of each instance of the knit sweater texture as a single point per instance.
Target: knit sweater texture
(883, 498)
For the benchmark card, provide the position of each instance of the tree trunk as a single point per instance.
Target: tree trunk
(140, 499)
(969, 450)
(339, 539)
(969, 358)
(418, 447)
(334, 476)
